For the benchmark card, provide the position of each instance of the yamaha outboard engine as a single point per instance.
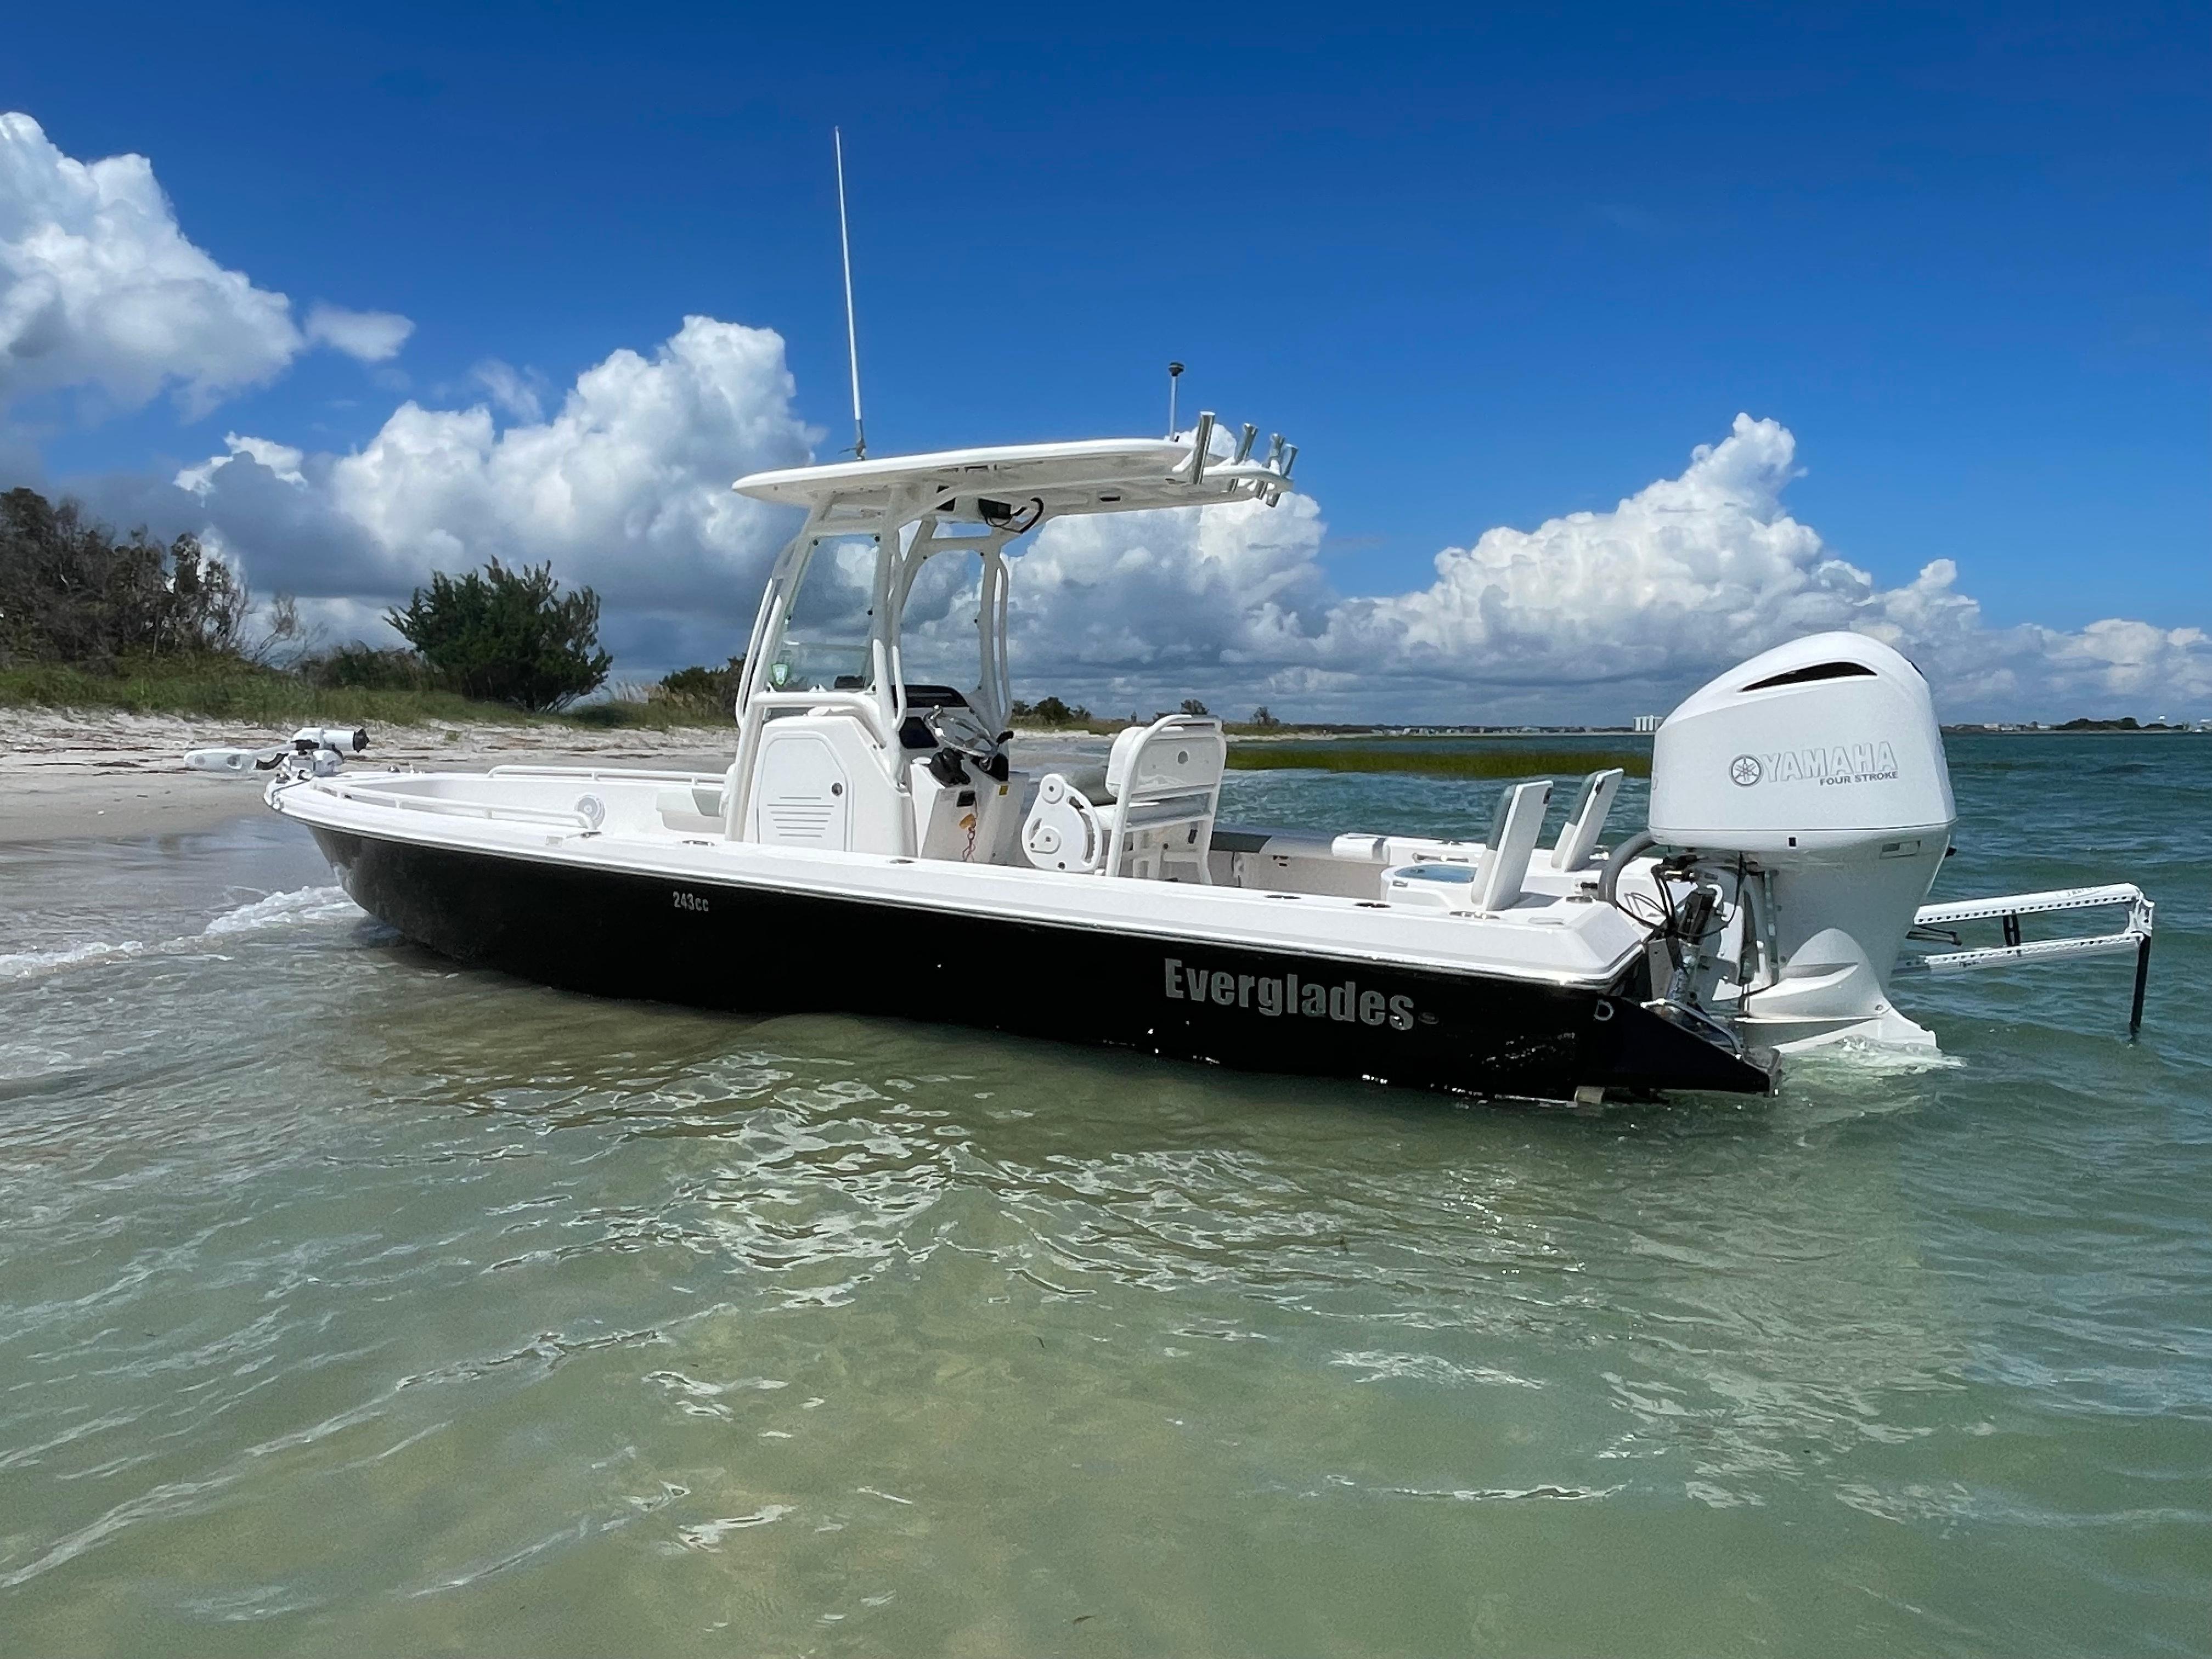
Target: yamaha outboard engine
(1807, 789)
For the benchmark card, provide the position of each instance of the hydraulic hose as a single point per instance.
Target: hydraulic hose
(1642, 841)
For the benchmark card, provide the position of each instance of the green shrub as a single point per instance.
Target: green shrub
(1051, 711)
(367, 668)
(508, 637)
(704, 690)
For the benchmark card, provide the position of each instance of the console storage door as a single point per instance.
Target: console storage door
(803, 796)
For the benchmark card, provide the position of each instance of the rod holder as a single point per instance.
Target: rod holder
(1200, 442)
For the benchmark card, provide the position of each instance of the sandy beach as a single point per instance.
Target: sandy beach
(66, 773)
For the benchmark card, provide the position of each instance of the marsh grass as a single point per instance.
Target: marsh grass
(225, 687)
(1507, 761)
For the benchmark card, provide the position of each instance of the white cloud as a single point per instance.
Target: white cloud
(1148, 595)
(1594, 615)
(368, 337)
(1591, 615)
(98, 288)
(282, 461)
(519, 393)
(102, 296)
(625, 487)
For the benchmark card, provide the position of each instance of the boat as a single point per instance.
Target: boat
(874, 849)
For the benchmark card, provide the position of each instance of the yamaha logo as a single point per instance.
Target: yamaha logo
(1857, 763)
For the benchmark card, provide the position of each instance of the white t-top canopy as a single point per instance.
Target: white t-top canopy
(1094, 475)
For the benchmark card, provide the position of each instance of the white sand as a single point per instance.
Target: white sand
(64, 773)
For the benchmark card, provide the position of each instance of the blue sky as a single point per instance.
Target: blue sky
(1485, 271)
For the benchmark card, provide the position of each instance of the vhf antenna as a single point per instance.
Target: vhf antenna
(1175, 373)
(851, 333)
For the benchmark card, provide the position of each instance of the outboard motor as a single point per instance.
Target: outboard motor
(1810, 782)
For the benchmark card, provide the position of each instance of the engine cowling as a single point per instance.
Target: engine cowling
(1817, 768)
(1819, 744)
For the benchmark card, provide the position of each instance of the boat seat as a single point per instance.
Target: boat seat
(1164, 780)
(1506, 849)
(1586, 818)
(1091, 780)
(1164, 784)
(1487, 885)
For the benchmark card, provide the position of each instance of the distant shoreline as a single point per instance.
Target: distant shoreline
(2098, 730)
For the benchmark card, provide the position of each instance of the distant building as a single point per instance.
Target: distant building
(1648, 722)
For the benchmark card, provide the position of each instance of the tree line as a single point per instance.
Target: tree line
(71, 590)
(74, 592)
(1055, 712)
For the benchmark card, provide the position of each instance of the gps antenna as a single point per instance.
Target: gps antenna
(1175, 373)
(851, 333)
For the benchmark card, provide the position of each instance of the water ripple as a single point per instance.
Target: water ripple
(371, 1305)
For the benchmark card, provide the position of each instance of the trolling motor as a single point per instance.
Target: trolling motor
(314, 751)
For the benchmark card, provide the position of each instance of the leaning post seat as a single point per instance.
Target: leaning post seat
(1163, 785)
(1166, 779)
(1062, 831)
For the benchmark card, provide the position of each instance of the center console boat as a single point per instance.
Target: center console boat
(872, 847)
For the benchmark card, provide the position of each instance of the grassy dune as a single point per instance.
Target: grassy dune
(1514, 762)
(241, 691)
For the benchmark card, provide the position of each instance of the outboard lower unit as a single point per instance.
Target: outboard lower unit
(1800, 809)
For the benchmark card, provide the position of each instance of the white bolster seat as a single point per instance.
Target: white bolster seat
(1586, 818)
(1505, 853)
(1164, 782)
(1166, 779)
(1490, 884)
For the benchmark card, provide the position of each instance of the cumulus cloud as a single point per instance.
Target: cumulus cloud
(103, 296)
(624, 487)
(1147, 595)
(1595, 615)
(1592, 615)
(368, 337)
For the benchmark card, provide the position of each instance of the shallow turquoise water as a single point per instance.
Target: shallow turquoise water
(349, 1303)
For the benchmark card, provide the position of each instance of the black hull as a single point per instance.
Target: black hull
(755, 950)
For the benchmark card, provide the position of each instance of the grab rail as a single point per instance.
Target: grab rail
(488, 809)
(596, 774)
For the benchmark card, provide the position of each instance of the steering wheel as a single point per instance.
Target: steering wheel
(960, 730)
(960, 736)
